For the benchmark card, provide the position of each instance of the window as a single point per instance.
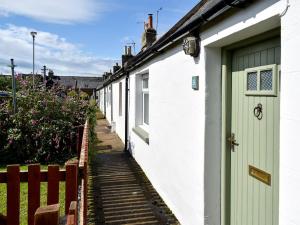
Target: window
(142, 107)
(261, 80)
(120, 98)
(108, 96)
(266, 80)
(252, 81)
(145, 93)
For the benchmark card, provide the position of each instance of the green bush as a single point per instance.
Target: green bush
(92, 119)
(6, 83)
(44, 128)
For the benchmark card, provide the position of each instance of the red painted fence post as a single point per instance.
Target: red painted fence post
(71, 184)
(47, 215)
(53, 184)
(34, 177)
(73, 213)
(13, 195)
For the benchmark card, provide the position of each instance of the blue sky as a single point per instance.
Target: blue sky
(78, 37)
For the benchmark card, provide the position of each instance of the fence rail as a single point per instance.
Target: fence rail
(83, 165)
(75, 176)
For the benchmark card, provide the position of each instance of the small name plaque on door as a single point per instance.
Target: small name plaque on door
(260, 175)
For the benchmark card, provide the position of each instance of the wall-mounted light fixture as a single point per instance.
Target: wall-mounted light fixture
(191, 46)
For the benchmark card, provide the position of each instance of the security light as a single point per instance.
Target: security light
(191, 46)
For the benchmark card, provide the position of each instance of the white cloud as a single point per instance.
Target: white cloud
(55, 52)
(62, 11)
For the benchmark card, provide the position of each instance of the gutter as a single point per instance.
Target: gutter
(216, 10)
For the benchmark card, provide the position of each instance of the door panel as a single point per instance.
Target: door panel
(254, 202)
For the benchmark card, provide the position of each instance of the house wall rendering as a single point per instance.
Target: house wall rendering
(119, 108)
(289, 117)
(179, 146)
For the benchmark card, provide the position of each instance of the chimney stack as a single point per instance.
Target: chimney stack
(116, 68)
(127, 55)
(149, 36)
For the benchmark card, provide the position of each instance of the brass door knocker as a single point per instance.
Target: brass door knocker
(258, 113)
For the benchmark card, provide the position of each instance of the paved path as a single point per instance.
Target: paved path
(119, 192)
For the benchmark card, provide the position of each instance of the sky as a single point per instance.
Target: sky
(78, 37)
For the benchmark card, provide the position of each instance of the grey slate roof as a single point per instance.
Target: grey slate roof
(82, 82)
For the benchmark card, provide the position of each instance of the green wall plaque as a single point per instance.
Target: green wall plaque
(195, 82)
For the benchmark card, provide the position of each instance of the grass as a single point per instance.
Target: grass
(24, 199)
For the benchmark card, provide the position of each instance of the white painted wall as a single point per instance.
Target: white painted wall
(101, 100)
(213, 135)
(186, 172)
(137, 146)
(290, 117)
(108, 101)
(183, 158)
(105, 106)
(270, 14)
(119, 120)
(254, 20)
(174, 159)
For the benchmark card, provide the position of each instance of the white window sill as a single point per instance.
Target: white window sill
(144, 135)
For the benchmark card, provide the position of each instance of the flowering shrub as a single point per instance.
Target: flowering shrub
(44, 128)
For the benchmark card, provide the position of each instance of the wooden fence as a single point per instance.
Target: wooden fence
(75, 176)
(83, 166)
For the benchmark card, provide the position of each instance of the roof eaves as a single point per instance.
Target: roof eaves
(200, 14)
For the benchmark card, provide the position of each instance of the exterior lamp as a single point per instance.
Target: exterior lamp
(33, 34)
(191, 46)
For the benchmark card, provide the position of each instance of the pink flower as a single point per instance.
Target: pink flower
(34, 112)
(33, 122)
(56, 140)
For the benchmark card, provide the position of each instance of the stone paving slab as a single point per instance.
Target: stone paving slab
(120, 193)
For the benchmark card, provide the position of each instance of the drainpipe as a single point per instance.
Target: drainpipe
(111, 104)
(126, 111)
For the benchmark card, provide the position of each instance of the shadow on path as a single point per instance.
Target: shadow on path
(120, 193)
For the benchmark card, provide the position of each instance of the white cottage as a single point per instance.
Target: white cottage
(217, 131)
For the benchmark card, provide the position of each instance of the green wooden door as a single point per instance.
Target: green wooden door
(255, 129)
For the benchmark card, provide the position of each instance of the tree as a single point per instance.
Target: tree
(5, 83)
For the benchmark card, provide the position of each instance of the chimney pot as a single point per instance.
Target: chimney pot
(150, 21)
(126, 50)
(129, 50)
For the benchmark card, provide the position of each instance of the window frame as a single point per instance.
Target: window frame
(141, 128)
(145, 91)
(258, 70)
